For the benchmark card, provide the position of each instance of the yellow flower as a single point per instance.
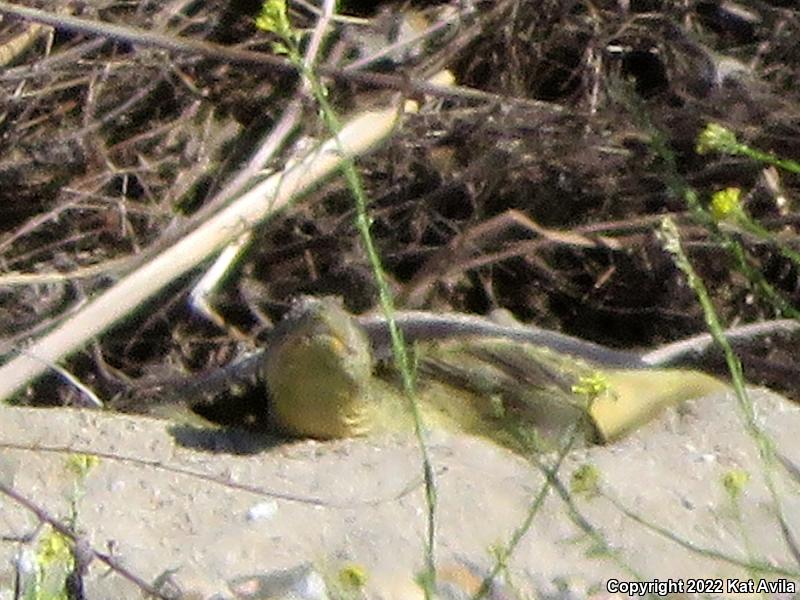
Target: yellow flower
(81, 464)
(726, 204)
(734, 481)
(592, 386)
(353, 576)
(715, 137)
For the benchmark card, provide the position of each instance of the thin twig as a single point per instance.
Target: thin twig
(698, 344)
(143, 37)
(158, 465)
(67, 532)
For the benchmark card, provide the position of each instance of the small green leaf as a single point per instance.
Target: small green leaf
(734, 482)
(585, 481)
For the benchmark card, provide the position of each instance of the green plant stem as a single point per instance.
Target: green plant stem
(754, 566)
(399, 348)
(399, 352)
(601, 545)
(766, 157)
(757, 230)
(677, 185)
(503, 554)
(734, 248)
(764, 444)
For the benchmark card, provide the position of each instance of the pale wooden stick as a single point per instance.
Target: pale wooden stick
(17, 45)
(262, 201)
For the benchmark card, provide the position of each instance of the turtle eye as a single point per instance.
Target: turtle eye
(338, 346)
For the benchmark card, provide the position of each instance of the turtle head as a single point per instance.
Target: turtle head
(318, 373)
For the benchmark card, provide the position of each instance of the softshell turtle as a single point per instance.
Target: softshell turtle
(325, 381)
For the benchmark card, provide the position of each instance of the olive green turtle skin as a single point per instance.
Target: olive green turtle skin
(323, 383)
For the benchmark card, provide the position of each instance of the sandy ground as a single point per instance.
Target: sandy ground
(371, 509)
